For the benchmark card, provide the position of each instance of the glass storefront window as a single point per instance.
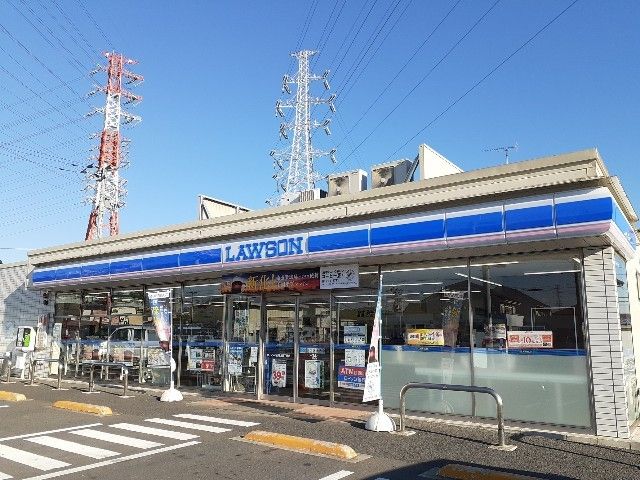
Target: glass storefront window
(628, 358)
(200, 336)
(67, 311)
(154, 366)
(528, 336)
(94, 325)
(126, 330)
(426, 335)
(354, 310)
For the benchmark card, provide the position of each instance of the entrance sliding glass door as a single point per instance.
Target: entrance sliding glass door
(314, 350)
(280, 357)
(243, 334)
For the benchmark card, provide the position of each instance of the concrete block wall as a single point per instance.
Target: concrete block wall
(605, 343)
(18, 305)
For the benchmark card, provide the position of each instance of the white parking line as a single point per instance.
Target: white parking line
(154, 431)
(30, 459)
(192, 426)
(4, 406)
(337, 475)
(223, 421)
(111, 461)
(73, 447)
(119, 439)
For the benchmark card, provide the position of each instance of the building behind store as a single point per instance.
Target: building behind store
(520, 277)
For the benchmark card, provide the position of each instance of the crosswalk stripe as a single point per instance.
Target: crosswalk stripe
(154, 431)
(224, 421)
(73, 447)
(4, 476)
(30, 459)
(337, 475)
(119, 439)
(192, 426)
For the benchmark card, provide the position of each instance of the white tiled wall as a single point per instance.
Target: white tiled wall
(605, 343)
(18, 305)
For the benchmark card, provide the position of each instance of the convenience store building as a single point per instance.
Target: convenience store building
(520, 277)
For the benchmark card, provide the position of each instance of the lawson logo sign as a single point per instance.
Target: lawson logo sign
(265, 248)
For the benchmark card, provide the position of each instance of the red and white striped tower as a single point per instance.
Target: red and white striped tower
(108, 187)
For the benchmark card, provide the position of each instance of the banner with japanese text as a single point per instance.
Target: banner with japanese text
(372, 381)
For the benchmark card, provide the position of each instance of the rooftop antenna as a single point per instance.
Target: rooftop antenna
(503, 149)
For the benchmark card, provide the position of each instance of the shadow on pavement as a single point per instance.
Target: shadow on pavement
(428, 470)
(537, 440)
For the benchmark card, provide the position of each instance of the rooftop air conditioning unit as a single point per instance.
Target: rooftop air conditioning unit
(347, 182)
(391, 173)
(313, 194)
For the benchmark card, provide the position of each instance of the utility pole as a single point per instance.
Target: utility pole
(503, 149)
(108, 187)
(294, 166)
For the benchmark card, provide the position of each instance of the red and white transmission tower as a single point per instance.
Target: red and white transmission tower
(108, 187)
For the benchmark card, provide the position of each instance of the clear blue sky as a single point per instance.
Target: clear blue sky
(213, 71)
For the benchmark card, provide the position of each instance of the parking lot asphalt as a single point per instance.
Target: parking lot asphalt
(223, 455)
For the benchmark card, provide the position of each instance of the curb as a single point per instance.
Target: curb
(601, 441)
(308, 445)
(83, 407)
(463, 472)
(12, 396)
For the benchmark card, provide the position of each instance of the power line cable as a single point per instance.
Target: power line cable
(421, 81)
(49, 225)
(322, 41)
(372, 56)
(346, 37)
(355, 36)
(95, 24)
(74, 62)
(90, 56)
(491, 72)
(402, 69)
(22, 100)
(368, 44)
(90, 45)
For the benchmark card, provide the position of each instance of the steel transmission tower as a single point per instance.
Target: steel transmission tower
(108, 187)
(294, 166)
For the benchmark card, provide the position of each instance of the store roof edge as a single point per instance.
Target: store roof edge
(336, 204)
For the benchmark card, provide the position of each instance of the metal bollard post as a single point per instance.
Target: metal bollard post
(32, 370)
(125, 372)
(60, 363)
(8, 370)
(91, 379)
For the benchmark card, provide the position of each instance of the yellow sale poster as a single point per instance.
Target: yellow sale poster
(425, 336)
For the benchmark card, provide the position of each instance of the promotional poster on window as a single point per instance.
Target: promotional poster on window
(425, 336)
(271, 282)
(530, 339)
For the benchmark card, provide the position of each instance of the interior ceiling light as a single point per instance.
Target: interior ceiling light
(551, 273)
(479, 279)
(423, 268)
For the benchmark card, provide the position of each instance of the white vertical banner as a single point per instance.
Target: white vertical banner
(372, 380)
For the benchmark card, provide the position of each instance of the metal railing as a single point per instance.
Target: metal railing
(35, 361)
(96, 363)
(457, 388)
